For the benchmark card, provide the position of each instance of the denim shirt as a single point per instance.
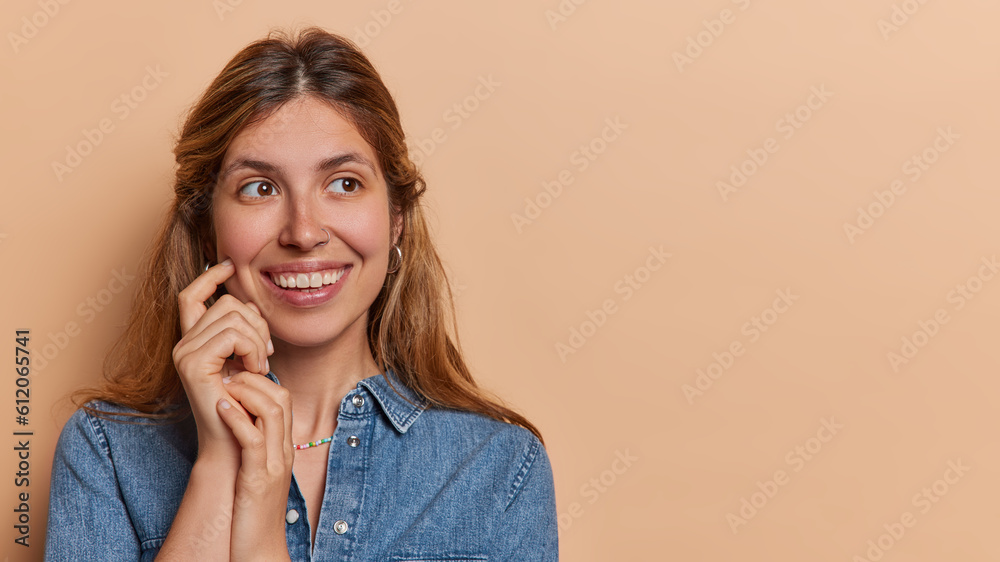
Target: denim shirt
(405, 482)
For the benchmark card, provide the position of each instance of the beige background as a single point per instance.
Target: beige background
(893, 75)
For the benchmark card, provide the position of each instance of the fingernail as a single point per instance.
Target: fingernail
(270, 347)
(227, 261)
(225, 404)
(227, 380)
(267, 365)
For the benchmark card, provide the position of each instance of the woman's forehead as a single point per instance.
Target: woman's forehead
(305, 123)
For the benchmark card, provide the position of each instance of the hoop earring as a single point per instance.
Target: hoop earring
(328, 237)
(399, 263)
(211, 300)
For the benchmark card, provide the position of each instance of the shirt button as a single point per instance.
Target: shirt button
(353, 441)
(292, 516)
(358, 401)
(340, 527)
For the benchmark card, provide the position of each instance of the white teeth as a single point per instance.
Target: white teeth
(313, 280)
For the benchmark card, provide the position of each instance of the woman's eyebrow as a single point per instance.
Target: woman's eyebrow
(256, 165)
(341, 159)
(330, 163)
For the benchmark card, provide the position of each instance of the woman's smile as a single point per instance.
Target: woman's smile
(305, 284)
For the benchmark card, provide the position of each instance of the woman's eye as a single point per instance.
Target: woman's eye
(257, 189)
(345, 185)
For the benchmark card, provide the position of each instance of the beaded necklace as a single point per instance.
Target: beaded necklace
(314, 443)
(358, 401)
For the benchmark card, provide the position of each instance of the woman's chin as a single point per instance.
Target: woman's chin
(301, 336)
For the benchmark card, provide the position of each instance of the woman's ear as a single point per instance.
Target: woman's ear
(209, 252)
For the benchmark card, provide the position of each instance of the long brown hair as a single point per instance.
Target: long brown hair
(411, 323)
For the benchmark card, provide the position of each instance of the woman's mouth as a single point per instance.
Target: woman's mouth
(308, 282)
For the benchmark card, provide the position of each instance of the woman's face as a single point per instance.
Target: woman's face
(282, 182)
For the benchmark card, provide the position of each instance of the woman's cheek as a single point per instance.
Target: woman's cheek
(369, 234)
(241, 285)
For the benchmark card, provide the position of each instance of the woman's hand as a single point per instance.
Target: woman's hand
(265, 437)
(206, 520)
(208, 337)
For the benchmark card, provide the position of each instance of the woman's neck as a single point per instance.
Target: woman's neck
(318, 378)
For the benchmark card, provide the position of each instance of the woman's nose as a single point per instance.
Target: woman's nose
(303, 229)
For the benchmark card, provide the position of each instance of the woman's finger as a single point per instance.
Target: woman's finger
(261, 325)
(192, 299)
(253, 350)
(207, 354)
(271, 413)
(275, 392)
(251, 440)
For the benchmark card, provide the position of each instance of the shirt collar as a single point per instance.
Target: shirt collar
(400, 404)
(402, 411)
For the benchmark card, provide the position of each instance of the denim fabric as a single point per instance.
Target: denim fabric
(420, 484)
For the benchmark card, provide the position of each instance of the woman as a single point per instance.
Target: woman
(297, 212)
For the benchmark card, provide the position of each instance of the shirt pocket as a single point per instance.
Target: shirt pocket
(441, 558)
